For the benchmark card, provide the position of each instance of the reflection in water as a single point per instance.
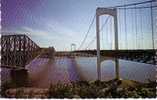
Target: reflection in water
(5, 75)
(43, 71)
(127, 69)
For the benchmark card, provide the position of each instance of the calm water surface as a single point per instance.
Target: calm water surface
(44, 72)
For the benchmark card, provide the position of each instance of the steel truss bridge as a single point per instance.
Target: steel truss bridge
(17, 50)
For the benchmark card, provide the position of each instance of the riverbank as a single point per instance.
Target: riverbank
(84, 89)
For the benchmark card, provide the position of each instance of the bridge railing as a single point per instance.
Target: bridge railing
(17, 50)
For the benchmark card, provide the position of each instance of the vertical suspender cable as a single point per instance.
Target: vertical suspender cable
(136, 27)
(107, 38)
(119, 28)
(152, 31)
(141, 26)
(125, 28)
(111, 34)
(120, 32)
(102, 40)
(152, 26)
(100, 31)
(132, 16)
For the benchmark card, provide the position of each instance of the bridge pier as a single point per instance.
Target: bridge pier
(19, 77)
(117, 69)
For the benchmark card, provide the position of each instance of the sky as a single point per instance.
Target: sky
(60, 23)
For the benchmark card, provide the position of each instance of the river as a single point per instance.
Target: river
(43, 71)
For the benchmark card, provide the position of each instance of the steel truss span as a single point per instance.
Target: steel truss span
(17, 50)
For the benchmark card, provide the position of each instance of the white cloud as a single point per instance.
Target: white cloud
(10, 32)
(35, 32)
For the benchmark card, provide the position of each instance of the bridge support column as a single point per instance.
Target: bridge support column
(112, 12)
(19, 77)
(117, 69)
(98, 46)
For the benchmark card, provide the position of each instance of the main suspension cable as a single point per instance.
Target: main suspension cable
(90, 26)
(99, 31)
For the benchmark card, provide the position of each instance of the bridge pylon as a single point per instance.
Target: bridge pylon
(113, 13)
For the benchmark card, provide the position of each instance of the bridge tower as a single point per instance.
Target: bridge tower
(113, 13)
(73, 47)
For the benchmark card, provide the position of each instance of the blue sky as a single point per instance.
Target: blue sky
(59, 23)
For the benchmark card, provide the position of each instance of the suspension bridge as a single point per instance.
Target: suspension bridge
(126, 23)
